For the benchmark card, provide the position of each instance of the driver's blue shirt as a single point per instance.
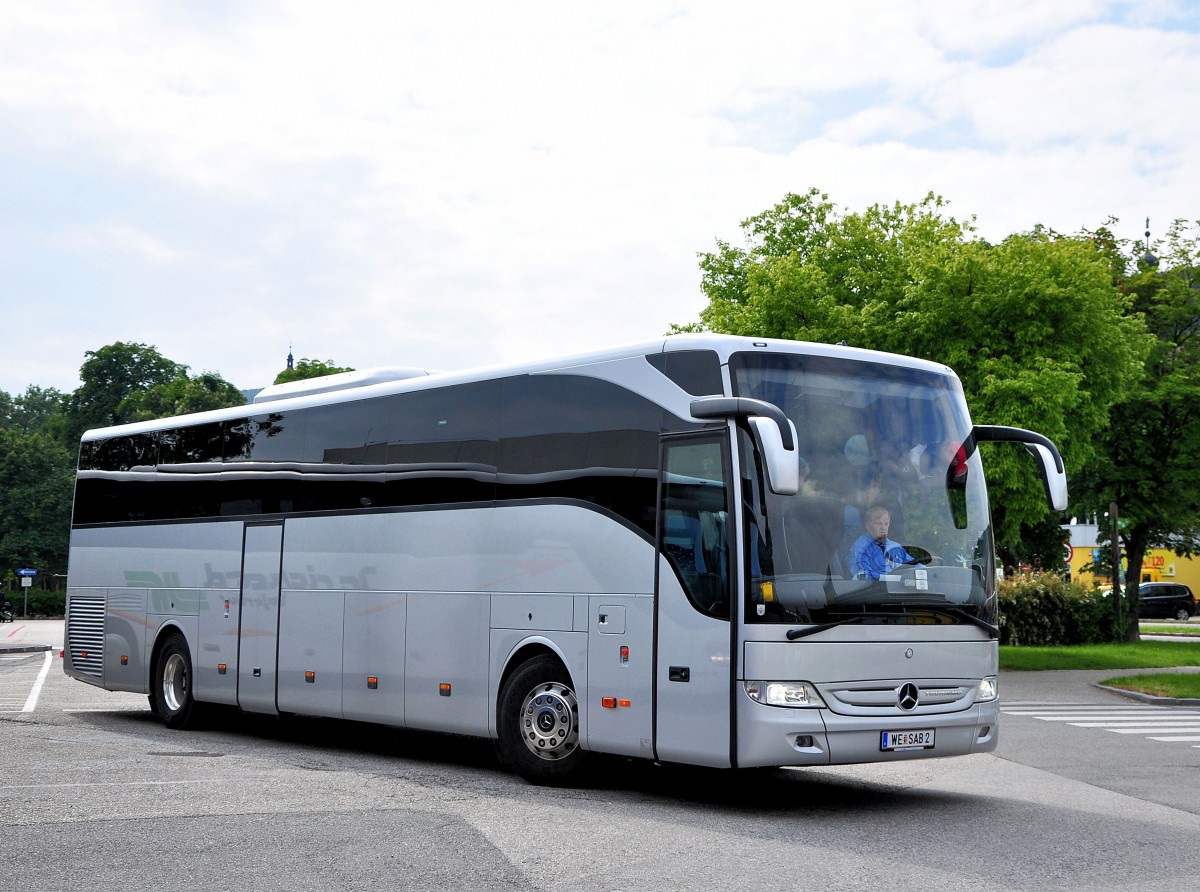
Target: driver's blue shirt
(870, 559)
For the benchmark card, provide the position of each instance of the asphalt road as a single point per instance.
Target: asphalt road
(96, 794)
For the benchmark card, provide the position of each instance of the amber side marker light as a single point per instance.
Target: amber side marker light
(444, 689)
(372, 683)
(310, 678)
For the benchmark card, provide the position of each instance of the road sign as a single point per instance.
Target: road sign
(26, 571)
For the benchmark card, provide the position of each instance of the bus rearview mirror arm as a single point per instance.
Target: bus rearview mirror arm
(774, 434)
(1044, 452)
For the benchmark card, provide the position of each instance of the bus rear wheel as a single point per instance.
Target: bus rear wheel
(171, 689)
(539, 722)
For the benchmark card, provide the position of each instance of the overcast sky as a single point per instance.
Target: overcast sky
(455, 184)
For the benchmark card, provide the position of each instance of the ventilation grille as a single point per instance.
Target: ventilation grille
(85, 635)
(933, 696)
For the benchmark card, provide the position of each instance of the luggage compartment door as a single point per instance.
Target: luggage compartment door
(258, 639)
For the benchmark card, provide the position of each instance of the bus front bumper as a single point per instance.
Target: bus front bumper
(778, 736)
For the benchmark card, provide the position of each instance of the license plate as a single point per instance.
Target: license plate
(906, 740)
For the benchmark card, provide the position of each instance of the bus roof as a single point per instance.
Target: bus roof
(371, 383)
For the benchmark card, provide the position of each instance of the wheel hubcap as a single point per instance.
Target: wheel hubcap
(174, 682)
(550, 721)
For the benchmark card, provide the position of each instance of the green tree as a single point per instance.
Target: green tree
(1148, 454)
(1032, 325)
(38, 410)
(180, 396)
(36, 480)
(309, 368)
(109, 375)
(1041, 340)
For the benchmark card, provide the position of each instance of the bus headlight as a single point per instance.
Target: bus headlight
(800, 694)
(987, 690)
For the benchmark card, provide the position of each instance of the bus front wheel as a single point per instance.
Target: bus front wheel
(171, 692)
(539, 722)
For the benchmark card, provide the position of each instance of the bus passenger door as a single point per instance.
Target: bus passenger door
(259, 634)
(693, 672)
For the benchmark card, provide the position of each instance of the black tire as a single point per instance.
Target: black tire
(171, 684)
(538, 722)
(1183, 615)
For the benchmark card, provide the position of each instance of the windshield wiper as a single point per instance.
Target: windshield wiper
(993, 631)
(797, 634)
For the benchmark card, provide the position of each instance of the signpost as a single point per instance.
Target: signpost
(26, 575)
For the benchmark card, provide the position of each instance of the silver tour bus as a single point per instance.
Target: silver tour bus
(660, 551)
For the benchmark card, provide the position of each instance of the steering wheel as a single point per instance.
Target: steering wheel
(921, 557)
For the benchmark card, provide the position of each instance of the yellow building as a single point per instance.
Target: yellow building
(1159, 565)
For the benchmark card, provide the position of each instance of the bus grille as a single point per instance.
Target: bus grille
(85, 635)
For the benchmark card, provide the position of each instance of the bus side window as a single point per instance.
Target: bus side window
(695, 534)
(683, 542)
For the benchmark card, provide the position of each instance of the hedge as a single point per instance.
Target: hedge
(41, 602)
(1041, 610)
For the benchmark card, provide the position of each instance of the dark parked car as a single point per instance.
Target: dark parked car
(1172, 600)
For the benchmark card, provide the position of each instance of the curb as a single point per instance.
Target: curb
(25, 649)
(1148, 698)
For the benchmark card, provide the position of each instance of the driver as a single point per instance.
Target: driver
(873, 553)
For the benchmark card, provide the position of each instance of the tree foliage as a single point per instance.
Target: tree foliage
(181, 395)
(36, 481)
(1032, 325)
(109, 375)
(38, 410)
(309, 368)
(1147, 457)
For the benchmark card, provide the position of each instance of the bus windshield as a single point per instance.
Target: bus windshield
(891, 523)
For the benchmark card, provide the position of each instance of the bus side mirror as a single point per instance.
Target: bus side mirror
(1054, 478)
(1044, 452)
(783, 465)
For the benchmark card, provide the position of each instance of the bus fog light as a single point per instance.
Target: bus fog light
(987, 690)
(784, 693)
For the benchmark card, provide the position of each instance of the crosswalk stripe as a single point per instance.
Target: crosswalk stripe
(1161, 723)
(1089, 717)
(1137, 720)
(1150, 729)
(1107, 710)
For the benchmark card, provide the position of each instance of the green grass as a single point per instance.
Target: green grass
(1184, 686)
(1181, 629)
(1143, 655)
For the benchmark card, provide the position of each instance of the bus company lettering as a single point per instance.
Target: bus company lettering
(165, 591)
(310, 580)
